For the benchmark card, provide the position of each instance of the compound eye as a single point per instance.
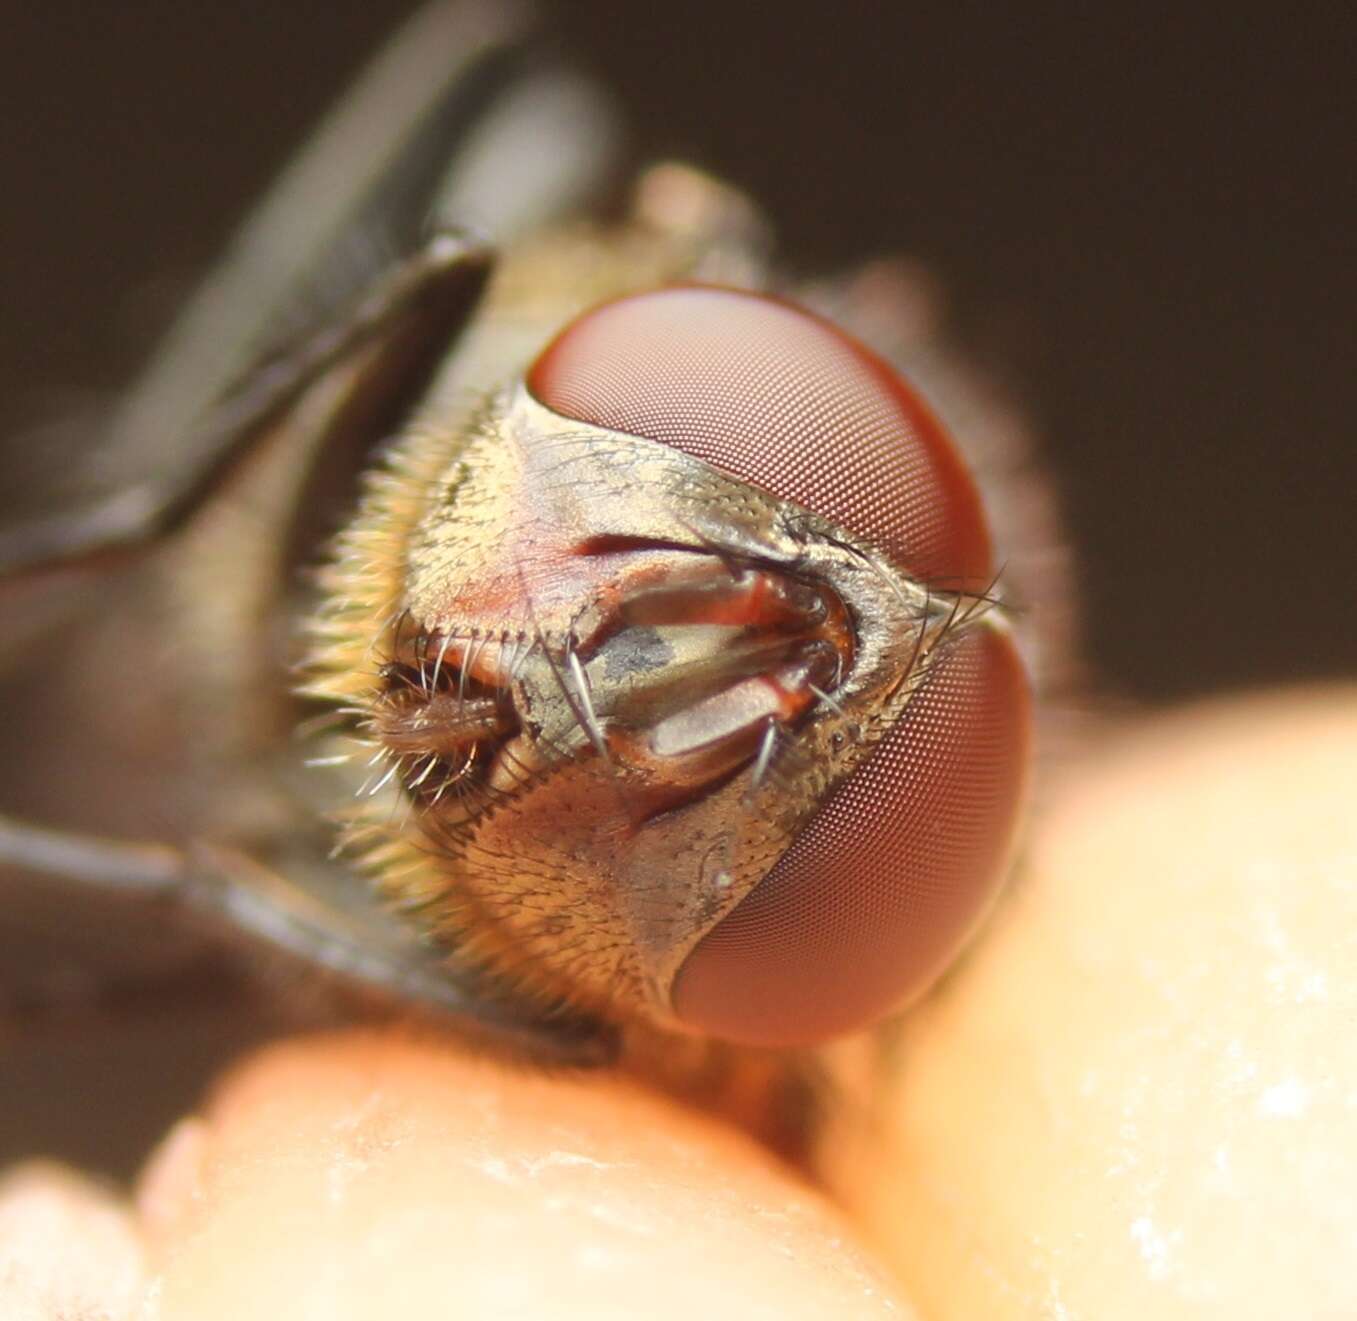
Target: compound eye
(888, 877)
(780, 398)
(891, 871)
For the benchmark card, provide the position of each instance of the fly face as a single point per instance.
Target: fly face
(668, 625)
(690, 674)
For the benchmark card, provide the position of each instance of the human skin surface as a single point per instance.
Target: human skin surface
(1137, 1096)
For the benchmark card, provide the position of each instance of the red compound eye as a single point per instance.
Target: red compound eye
(878, 891)
(782, 399)
(892, 870)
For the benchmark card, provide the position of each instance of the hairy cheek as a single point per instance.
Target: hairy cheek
(888, 877)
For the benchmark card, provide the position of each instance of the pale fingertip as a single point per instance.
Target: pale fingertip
(68, 1248)
(171, 1185)
(364, 1176)
(1136, 1097)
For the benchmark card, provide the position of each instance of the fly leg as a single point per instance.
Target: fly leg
(351, 935)
(397, 332)
(467, 117)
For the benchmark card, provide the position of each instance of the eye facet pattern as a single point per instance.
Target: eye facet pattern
(892, 868)
(888, 877)
(776, 396)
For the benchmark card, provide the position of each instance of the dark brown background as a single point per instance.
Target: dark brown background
(1146, 215)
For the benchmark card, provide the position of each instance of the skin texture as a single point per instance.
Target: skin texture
(1136, 1097)
(377, 1176)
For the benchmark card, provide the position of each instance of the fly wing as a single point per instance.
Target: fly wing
(465, 122)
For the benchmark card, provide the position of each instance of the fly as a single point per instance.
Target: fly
(656, 674)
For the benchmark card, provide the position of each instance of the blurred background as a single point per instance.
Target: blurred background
(1141, 218)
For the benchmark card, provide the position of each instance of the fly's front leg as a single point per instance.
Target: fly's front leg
(468, 118)
(348, 934)
(403, 322)
(147, 871)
